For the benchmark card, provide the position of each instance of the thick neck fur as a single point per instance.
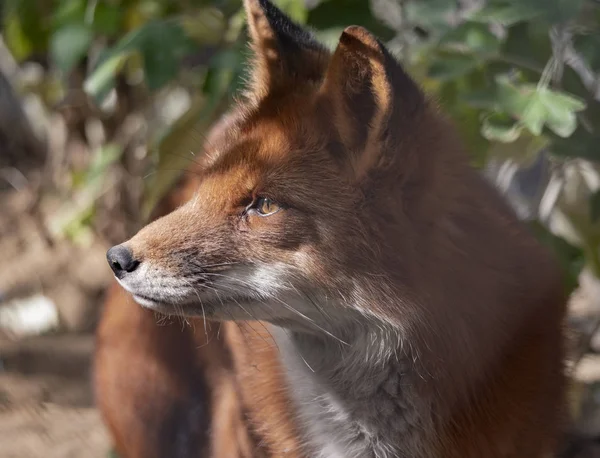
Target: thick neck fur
(356, 399)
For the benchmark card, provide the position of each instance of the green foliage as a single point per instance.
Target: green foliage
(160, 44)
(507, 13)
(69, 44)
(338, 14)
(528, 106)
(497, 70)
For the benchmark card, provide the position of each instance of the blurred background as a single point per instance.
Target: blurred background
(103, 103)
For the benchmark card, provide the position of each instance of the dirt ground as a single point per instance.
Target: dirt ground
(46, 400)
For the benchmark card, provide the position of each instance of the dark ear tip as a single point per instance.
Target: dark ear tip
(358, 42)
(357, 35)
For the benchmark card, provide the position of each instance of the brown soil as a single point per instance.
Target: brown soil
(46, 402)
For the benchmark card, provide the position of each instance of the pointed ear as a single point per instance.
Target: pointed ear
(370, 96)
(285, 53)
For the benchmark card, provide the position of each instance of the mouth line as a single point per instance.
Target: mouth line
(168, 308)
(186, 305)
(143, 299)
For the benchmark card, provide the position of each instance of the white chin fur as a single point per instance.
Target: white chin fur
(145, 302)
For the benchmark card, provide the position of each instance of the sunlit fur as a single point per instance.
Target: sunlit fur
(392, 306)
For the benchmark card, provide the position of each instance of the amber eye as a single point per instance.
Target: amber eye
(265, 206)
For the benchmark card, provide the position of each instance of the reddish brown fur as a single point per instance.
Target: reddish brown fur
(490, 338)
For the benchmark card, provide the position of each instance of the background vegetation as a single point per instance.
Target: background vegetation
(126, 89)
(519, 76)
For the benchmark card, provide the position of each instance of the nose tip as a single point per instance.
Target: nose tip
(121, 260)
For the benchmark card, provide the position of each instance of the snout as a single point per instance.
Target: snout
(121, 260)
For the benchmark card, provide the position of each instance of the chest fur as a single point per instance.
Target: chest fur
(350, 409)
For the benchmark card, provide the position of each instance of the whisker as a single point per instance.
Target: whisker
(201, 306)
(313, 302)
(249, 314)
(243, 331)
(289, 307)
(286, 305)
(219, 330)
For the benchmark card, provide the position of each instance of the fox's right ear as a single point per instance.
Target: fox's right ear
(370, 98)
(285, 53)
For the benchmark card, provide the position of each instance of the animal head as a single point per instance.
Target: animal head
(312, 192)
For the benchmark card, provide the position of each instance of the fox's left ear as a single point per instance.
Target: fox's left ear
(285, 53)
(371, 99)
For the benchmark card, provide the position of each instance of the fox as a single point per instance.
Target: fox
(354, 287)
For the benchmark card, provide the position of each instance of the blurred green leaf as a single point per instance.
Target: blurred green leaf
(342, 13)
(509, 12)
(561, 100)
(500, 127)
(16, 39)
(534, 114)
(522, 151)
(206, 26)
(220, 75)
(506, 13)
(451, 66)
(536, 107)
(560, 112)
(511, 98)
(481, 98)
(108, 18)
(527, 48)
(67, 13)
(24, 28)
(101, 81)
(69, 44)
(430, 13)
(160, 43)
(472, 36)
(555, 11)
(296, 9)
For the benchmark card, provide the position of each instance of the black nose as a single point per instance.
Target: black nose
(121, 260)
